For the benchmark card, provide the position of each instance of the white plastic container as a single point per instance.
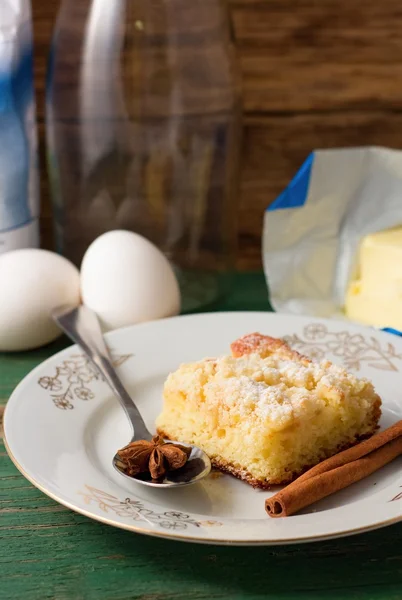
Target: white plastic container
(19, 187)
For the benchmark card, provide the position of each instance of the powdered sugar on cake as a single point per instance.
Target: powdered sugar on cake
(272, 387)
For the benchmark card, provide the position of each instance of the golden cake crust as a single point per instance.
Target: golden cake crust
(264, 345)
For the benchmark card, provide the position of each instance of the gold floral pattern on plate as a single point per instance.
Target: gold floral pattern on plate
(137, 511)
(317, 342)
(397, 497)
(72, 380)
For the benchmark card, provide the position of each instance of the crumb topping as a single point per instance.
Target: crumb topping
(270, 387)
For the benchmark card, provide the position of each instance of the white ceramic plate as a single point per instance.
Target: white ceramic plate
(62, 427)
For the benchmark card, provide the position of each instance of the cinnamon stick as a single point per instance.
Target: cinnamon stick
(337, 472)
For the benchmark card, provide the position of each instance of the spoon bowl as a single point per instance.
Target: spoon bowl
(197, 467)
(82, 326)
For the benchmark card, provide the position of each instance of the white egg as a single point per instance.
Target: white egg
(33, 282)
(126, 280)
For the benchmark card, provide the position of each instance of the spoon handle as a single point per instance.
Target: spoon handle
(82, 327)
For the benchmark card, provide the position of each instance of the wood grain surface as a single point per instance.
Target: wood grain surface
(50, 553)
(55, 554)
(316, 74)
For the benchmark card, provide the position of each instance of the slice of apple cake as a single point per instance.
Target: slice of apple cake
(266, 413)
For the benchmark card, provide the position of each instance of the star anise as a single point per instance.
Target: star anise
(156, 457)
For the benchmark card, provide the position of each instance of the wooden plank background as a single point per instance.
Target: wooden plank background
(316, 74)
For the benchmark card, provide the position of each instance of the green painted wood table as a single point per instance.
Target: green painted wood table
(49, 552)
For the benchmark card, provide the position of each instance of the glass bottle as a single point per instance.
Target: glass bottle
(144, 128)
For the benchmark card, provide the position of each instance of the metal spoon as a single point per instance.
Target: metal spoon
(82, 326)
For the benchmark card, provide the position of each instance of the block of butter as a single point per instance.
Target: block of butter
(374, 296)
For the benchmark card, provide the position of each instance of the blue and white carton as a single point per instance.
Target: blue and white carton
(19, 182)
